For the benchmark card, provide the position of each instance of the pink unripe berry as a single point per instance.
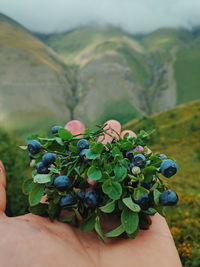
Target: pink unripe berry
(136, 170)
(139, 149)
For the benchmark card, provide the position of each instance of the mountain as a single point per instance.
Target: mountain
(93, 74)
(177, 135)
(152, 72)
(35, 88)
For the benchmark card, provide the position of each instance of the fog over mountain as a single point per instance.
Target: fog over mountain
(132, 16)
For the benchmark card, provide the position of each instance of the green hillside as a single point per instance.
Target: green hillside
(29, 74)
(177, 135)
(92, 74)
(163, 65)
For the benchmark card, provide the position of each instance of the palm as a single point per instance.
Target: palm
(31, 240)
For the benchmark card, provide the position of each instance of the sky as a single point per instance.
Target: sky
(133, 16)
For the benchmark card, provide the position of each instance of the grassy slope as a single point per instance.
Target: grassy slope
(177, 135)
(30, 71)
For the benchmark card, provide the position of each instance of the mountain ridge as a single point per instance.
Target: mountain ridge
(93, 74)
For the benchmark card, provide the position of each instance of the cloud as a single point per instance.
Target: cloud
(133, 16)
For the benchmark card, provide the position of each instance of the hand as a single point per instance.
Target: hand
(32, 240)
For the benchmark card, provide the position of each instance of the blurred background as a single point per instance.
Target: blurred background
(134, 61)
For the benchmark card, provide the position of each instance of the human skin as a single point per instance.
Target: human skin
(34, 241)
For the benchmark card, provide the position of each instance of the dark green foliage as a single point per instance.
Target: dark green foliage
(16, 163)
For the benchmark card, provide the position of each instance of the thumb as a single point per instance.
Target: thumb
(2, 189)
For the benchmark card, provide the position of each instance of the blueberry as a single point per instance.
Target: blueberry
(62, 182)
(139, 160)
(80, 194)
(131, 165)
(129, 154)
(146, 185)
(66, 200)
(144, 201)
(83, 144)
(41, 168)
(55, 129)
(91, 198)
(162, 156)
(83, 154)
(168, 168)
(168, 198)
(48, 159)
(34, 147)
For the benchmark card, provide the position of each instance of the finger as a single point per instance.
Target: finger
(2, 189)
(113, 129)
(3, 176)
(75, 127)
(123, 133)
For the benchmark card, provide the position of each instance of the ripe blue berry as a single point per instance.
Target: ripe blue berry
(66, 200)
(162, 156)
(146, 185)
(83, 144)
(80, 194)
(83, 154)
(62, 182)
(168, 198)
(41, 168)
(139, 160)
(34, 147)
(91, 198)
(168, 168)
(144, 201)
(55, 129)
(131, 165)
(48, 159)
(129, 154)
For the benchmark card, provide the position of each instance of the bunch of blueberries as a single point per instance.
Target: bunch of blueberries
(62, 182)
(91, 198)
(168, 168)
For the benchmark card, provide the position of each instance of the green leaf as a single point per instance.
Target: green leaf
(156, 195)
(42, 178)
(59, 141)
(64, 134)
(98, 228)
(129, 220)
(73, 148)
(66, 219)
(131, 205)
(36, 194)
(27, 186)
(39, 209)
(53, 210)
(134, 234)
(149, 172)
(91, 155)
(97, 148)
(150, 211)
(138, 191)
(116, 152)
(115, 232)
(120, 172)
(88, 224)
(23, 147)
(94, 173)
(109, 207)
(112, 189)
